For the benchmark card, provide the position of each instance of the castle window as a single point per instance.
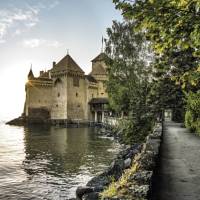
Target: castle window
(76, 94)
(92, 95)
(56, 105)
(76, 81)
(58, 94)
(102, 93)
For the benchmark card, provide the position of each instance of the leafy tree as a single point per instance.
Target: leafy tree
(128, 83)
(192, 117)
(173, 29)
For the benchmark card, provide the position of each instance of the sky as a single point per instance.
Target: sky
(38, 32)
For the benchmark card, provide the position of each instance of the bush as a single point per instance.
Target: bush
(192, 116)
(135, 130)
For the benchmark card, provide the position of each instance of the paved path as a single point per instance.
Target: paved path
(178, 176)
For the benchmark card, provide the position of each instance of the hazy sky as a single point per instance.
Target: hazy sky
(39, 32)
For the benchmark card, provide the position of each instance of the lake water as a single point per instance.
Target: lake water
(49, 162)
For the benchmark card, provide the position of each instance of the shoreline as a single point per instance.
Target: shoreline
(24, 121)
(138, 161)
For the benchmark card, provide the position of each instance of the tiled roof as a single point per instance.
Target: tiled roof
(99, 101)
(67, 63)
(100, 57)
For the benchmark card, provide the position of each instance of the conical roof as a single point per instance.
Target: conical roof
(100, 57)
(30, 74)
(67, 63)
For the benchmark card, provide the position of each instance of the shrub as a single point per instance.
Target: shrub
(192, 116)
(135, 130)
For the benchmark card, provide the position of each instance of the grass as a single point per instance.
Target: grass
(118, 187)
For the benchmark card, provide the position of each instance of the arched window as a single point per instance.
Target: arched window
(58, 94)
(57, 81)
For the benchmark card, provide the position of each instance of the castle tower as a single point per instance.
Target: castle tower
(100, 74)
(68, 90)
(98, 102)
(38, 97)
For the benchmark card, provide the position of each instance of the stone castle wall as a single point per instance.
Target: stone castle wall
(38, 97)
(59, 98)
(77, 99)
(65, 91)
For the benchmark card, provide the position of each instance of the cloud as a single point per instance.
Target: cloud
(14, 21)
(15, 18)
(47, 4)
(32, 43)
(55, 44)
(36, 42)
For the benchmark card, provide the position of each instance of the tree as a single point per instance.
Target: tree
(173, 29)
(128, 72)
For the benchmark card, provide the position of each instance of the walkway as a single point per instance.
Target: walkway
(178, 176)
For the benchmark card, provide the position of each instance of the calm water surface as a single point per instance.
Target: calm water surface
(49, 163)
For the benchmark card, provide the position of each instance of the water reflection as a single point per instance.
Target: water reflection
(59, 159)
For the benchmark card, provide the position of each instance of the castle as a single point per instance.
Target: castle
(65, 94)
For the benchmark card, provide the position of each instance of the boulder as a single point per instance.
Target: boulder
(147, 161)
(80, 191)
(127, 163)
(116, 169)
(99, 182)
(91, 196)
(153, 145)
(142, 177)
(139, 192)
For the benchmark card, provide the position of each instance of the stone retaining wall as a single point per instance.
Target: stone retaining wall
(136, 163)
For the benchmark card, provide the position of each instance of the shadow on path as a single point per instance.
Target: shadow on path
(178, 174)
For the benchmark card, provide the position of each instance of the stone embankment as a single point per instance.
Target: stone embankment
(20, 121)
(130, 174)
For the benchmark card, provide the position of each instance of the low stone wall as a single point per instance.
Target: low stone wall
(130, 174)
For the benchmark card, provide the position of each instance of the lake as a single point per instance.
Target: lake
(49, 162)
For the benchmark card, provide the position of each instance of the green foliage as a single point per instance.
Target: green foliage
(136, 129)
(165, 94)
(117, 188)
(192, 117)
(128, 77)
(173, 29)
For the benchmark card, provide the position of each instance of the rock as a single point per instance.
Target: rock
(155, 136)
(139, 191)
(20, 121)
(103, 130)
(153, 145)
(80, 191)
(123, 154)
(116, 169)
(147, 161)
(142, 177)
(99, 182)
(91, 196)
(127, 163)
